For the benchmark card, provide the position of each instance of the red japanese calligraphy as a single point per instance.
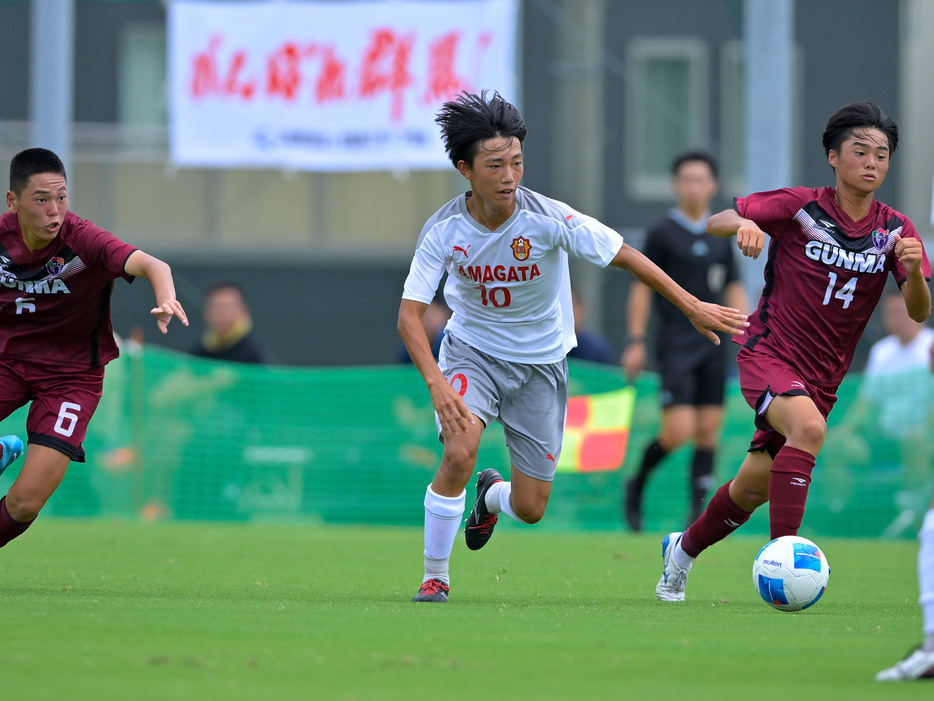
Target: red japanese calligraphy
(208, 80)
(386, 67)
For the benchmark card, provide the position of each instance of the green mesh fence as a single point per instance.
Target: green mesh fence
(179, 437)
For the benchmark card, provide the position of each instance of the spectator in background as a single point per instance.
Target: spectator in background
(919, 664)
(435, 319)
(590, 344)
(229, 333)
(692, 374)
(895, 379)
(888, 426)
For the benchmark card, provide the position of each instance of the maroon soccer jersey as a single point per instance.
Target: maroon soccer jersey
(55, 302)
(824, 275)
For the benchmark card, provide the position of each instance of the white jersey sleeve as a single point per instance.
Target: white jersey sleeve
(581, 236)
(509, 289)
(431, 257)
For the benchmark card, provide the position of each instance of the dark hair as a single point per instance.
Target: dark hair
(858, 115)
(469, 120)
(692, 156)
(30, 162)
(224, 285)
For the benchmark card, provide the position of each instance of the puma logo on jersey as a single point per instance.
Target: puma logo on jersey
(463, 250)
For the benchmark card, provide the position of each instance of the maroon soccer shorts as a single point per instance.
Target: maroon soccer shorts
(761, 378)
(63, 403)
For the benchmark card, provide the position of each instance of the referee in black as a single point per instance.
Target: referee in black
(692, 374)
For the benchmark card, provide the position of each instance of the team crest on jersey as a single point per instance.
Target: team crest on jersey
(521, 248)
(55, 266)
(880, 237)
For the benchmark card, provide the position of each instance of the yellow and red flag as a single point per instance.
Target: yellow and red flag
(597, 431)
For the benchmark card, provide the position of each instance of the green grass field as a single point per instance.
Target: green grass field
(112, 610)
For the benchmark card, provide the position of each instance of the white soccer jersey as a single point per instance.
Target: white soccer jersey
(509, 289)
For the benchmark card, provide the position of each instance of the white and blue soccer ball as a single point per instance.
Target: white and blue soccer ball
(790, 573)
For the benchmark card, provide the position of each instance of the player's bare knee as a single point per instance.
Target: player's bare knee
(530, 511)
(749, 495)
(808, 435)
(530, 514)
(458, 462)
(671, 440)
(23, 507)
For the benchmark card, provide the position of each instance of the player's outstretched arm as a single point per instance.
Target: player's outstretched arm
(750, 239)
(637, 324)
(704, 316)
(159, 274)
(453, 414)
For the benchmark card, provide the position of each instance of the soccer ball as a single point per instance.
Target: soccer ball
(790, 573)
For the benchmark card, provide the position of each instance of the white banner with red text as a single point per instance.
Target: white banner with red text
(329, 86)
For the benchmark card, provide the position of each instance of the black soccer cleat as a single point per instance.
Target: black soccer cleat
(480, 523)
(433, 590)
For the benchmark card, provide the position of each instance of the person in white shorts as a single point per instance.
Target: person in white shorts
(505, 250)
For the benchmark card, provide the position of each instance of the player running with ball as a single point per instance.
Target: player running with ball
(505, 249)
(831, 252)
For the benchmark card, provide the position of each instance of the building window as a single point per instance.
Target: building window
(666, 98)
(142, 76)
(733, 118)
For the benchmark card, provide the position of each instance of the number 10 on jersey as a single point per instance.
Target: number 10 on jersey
(496, 296)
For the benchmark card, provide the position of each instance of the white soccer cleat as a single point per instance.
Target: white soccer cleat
(674, 577)
(918, 665)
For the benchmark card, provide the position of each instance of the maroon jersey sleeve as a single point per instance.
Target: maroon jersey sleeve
(772, 210)
(101, 251)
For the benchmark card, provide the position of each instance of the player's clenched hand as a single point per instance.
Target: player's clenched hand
(750, 239)
(453, 414)
(165, 311)
(910, 252)
(707, 318)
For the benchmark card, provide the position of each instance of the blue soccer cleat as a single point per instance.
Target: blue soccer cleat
(12, 449)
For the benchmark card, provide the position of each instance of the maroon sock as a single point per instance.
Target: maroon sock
(722, 517)
(788, 490)
(10, 528)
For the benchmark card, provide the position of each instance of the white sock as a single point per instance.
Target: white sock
(492, 497)
(682, 558)
(926, 577)
(499, 500)
(442, 522)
